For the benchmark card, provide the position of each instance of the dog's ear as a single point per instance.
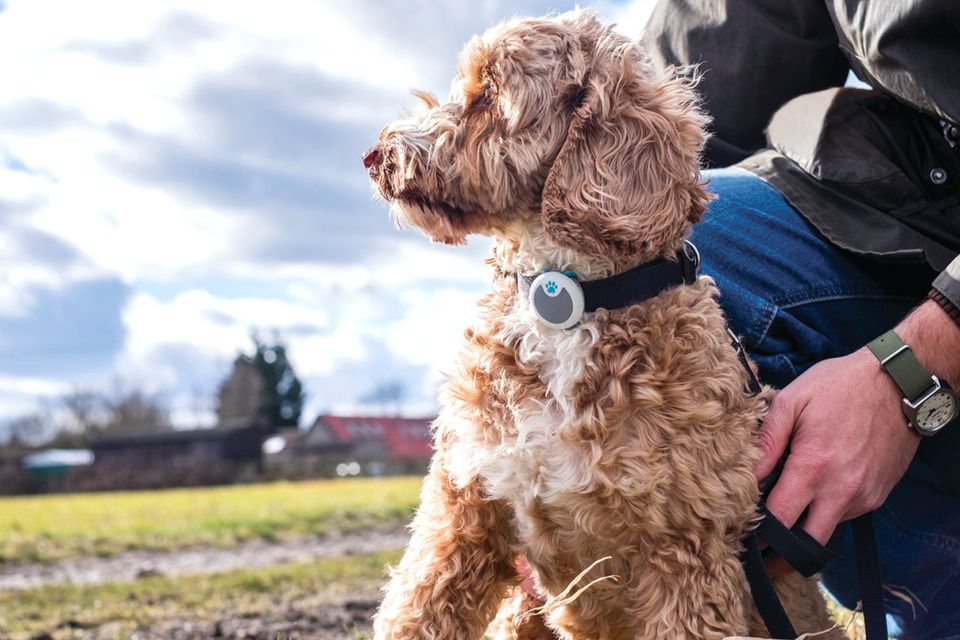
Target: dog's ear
(626, 181)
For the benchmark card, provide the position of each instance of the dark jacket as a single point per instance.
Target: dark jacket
(876, 171)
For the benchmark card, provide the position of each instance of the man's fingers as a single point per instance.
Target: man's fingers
(775, 432)
(793, 492)
(822, 519)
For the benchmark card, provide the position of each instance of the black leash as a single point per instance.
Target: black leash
(761, 588)
(804, 553)
(871, 582)
(809, 557)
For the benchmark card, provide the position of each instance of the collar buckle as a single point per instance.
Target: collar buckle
(691, 265)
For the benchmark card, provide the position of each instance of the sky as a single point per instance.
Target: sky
(177, 175)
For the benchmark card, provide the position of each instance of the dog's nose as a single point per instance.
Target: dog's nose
(371, 157)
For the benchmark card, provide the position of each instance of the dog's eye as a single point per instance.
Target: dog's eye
(486, 98)
(481, 98)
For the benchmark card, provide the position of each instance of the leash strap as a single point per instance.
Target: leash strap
(797, 547)
(808, 556)
(761, 588)
(871, 582)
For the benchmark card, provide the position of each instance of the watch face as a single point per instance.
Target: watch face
(937, 411)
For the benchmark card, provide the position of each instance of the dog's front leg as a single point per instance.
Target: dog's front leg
(456, 569)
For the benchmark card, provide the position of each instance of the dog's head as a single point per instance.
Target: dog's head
(558, 126)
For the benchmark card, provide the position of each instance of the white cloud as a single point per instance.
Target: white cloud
(215, 325)
(420, 327)
(631, 17)
(28, 386)
(431, 330)
(22, 394)
(124, 226)
(20, 187)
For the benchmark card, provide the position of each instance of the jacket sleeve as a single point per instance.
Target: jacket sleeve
(946, 290)
(754, 55)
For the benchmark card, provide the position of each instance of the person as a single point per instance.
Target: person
(840, 223)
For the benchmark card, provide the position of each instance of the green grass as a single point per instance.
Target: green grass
(43, 528)
(62, 610)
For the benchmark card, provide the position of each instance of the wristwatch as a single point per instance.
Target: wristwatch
(929, 403)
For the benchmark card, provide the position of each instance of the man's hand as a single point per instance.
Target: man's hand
(848, 438)
(849, 443)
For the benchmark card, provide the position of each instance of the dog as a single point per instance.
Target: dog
(624, 445)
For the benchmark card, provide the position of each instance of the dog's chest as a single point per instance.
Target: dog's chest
(538, 458)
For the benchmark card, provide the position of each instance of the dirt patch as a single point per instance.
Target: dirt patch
(136, 564)
(343, 620)
(347, 620)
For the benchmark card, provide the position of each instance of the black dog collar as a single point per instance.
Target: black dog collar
(560, 300)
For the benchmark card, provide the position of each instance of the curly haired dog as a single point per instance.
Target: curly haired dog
(629, 436)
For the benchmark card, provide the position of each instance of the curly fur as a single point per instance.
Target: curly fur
(629, 436)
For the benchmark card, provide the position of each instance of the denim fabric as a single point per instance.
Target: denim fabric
(796, 299)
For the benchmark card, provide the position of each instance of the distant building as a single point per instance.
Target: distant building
(178, 458)
(50, 466)
(368, 445)
(56, 460)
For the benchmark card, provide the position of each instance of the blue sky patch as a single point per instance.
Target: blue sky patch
(65, 331)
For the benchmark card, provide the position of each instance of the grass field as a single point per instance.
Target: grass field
(326, 599)
(280, 594)
(42, 528)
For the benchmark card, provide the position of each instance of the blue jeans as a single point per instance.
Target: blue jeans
(796, 299)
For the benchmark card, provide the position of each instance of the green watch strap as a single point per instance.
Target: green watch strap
(898, 359)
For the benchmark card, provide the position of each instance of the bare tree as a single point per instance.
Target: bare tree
(29, 431)
(137, 410)
(82, 411)
(83, 415)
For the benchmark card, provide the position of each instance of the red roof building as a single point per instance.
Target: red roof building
(381, 444)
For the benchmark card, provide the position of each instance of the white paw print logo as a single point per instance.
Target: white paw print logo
(557, 299)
